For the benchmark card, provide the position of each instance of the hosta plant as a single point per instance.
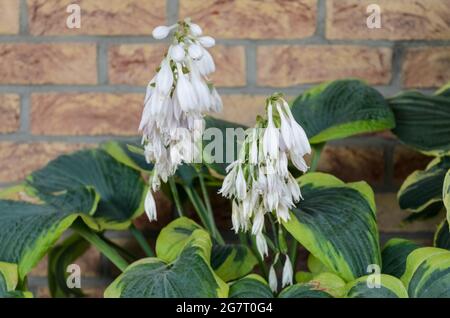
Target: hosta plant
(277, 199)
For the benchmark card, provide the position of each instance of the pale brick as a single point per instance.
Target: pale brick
(19, 159)
(9, 16)
(98, 17)
(406, 161)
(85, 114)
(400, 19)
(135, 64)
(10, 113)
(426, 67)
(352, 163)
(56, 63)
(391, 217)
(253, 19)
(242, 109)
(285, 65)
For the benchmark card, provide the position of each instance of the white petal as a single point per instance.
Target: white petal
(177, 53)
(261, 245)
(241, 186)
(164, 79)
(258, 222)
(161, 32)
(150, 206)
(273, 281)
(288, 273)
(196, 30)
(207, 41)
(195, 51)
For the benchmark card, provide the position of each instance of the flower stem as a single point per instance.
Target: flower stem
(176, 197)
(100, 244)
(141, 241)
(203, 214)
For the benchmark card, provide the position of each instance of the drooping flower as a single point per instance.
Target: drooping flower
(273, 280)
(176, 99)
(259, 181)
(288, 273)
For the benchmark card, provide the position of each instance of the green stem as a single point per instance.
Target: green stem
(206, 196)
(176, 197)
(100, 244)
(317, 151)
(141, 241)
(203, 214)
(126, 254)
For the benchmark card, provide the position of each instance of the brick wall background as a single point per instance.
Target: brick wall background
(64, 89)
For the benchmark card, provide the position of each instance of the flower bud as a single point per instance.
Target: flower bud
(207, 41)
(196, 30)
(195, 51)
(177, 53)
(161, 32)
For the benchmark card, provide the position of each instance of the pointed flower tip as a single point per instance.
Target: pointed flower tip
(161, 32)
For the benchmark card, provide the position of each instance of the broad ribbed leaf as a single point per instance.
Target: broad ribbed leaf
(423, 122)
(327, 282)
(132, 155)
(341, 109)
(303, 291)
(250, 286)
(220, 144)
(121, 189)
(189, 276)
(336, 222)
(128, 153)
(422, 190)
(27, 231)
(230, 261)
(59, 258)
(427, 273)
(446, 194)
(394, 256)
(442, 236)
(8, 282)
(444, 90)
(363, 287)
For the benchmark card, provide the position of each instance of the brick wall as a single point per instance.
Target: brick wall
(64, 89)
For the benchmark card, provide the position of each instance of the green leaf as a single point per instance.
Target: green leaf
(336, 222)
(327, 282)
(341, 109)
(250, 286)
(131, 154)
(128, 153)
(8, 282)
(303, 291)
(444, 90)
(230, 261)
(59, 258)
(427, 273)
(446, 194)
(121, 189)
(189, 276)
(442, 236)
(219, 153)
(27, 231)
(390, 287)
(423, 122)
(315, 266)
(394, 256)
(422, 190)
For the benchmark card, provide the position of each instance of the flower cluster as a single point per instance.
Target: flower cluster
(172, 120)
(259, 181)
